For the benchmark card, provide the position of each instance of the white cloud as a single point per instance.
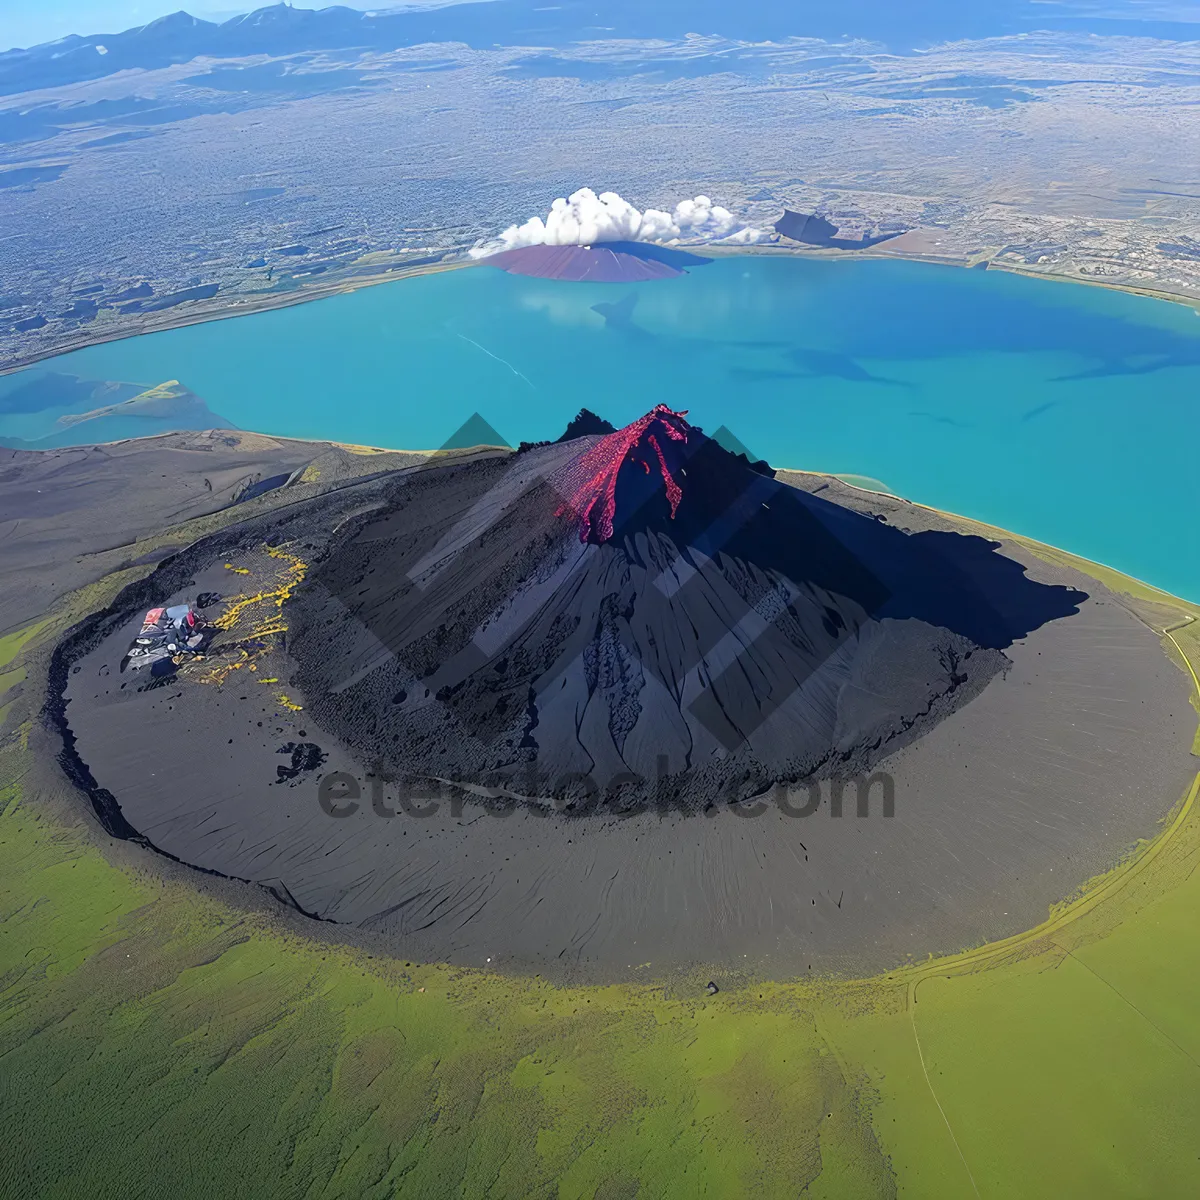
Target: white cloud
(584, 219)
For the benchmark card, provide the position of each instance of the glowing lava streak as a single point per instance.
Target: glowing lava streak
(591, 481)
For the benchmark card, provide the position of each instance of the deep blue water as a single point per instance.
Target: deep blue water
(1060, 411)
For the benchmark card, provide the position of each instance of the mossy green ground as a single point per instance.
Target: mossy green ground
(154, 1041)
(11, 643)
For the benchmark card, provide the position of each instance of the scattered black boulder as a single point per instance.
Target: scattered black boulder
(305, 757)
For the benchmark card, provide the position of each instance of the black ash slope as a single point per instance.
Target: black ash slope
(646, 615)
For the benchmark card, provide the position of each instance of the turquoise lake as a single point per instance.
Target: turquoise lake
(1060, 411)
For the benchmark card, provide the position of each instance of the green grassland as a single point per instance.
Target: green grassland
(11, 643)
(154, 1042)
(157, 1041)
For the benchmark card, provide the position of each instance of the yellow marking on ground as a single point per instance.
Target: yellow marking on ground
(274, 597)
(237, 570)
(272, 680)
(220, 672)
(258, 617)
(289, 704)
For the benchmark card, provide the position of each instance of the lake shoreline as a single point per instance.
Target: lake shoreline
(160, 323)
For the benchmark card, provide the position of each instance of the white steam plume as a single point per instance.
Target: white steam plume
(585, 219)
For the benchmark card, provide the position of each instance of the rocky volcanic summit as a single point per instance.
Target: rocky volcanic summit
(641, 617)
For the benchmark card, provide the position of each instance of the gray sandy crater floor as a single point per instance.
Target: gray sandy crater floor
(1004, 807)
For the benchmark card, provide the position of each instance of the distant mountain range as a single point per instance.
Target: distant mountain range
(277, 29)
(280, 29)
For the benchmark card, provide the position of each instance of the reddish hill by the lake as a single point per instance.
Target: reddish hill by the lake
(608, 262)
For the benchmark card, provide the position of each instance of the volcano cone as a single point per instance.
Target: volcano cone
(646, 617)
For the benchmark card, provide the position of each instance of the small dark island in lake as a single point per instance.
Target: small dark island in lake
(814, 230)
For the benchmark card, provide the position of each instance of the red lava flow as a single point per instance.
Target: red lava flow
(592, 479)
